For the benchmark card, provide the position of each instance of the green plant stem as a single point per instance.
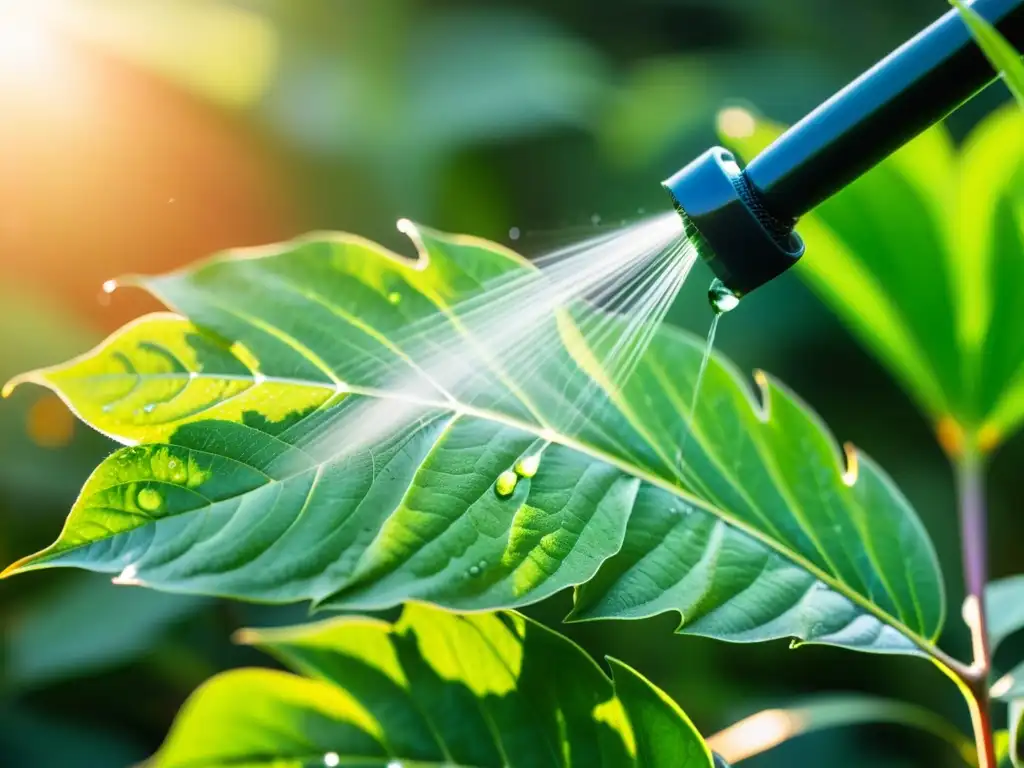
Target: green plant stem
(974, 540)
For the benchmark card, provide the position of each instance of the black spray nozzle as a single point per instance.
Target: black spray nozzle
(745, 218)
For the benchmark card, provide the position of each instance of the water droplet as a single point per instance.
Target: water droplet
(394, 297)
(172, 464)
(474, 570)
(394, 764)
(514, 233)
(332, 759)
(505, 485)
(482, 564)
(149, 407)
(128, 576)
(528, 465)
(109, 286)
(149, 500)
(108, 408)
(722, 299)
(595, 219)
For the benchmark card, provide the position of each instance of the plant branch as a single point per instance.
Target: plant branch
(974, 540)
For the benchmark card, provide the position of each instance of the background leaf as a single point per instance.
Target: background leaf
(1004, 57)
(432, 689)
(288, 402)
(921, 258)
(113, 625)
(769, 728)
(1004, 602)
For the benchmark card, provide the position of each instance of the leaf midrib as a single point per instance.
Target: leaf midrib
(594, 453)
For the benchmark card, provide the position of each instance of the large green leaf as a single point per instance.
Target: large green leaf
(1004, 57)
(433, 689)
(923, 259)
(302, 438)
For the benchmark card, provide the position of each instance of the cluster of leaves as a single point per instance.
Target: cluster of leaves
(244, 475)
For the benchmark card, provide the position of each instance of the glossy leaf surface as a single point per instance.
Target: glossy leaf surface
(434, 689)
(316, 432)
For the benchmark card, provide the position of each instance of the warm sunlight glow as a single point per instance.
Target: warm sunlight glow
(28, 46)
(755, 734)
(736, 122)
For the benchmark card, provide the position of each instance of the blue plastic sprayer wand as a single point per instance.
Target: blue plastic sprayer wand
(745, 218)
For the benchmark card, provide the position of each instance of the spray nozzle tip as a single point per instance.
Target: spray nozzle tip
(744, 245)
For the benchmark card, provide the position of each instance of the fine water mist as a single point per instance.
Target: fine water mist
(494, 351)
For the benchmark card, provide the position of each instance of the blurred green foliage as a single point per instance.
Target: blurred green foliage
(615, 96)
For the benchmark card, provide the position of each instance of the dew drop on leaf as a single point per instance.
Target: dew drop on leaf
(332, 759)
(394, 297)
(474, 570)
(505, 485)
(149, 500)
(149, 407)
(528, 465)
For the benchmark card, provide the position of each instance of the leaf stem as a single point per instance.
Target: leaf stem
(970, 469)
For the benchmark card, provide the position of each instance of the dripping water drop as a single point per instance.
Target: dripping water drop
(528, 465)
(721, 298)
(514, 233)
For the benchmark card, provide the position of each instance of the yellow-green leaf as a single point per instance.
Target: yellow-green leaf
(1004, 57)
(429, 691)
(923, 259)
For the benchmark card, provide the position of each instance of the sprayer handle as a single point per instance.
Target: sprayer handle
(914, 87)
